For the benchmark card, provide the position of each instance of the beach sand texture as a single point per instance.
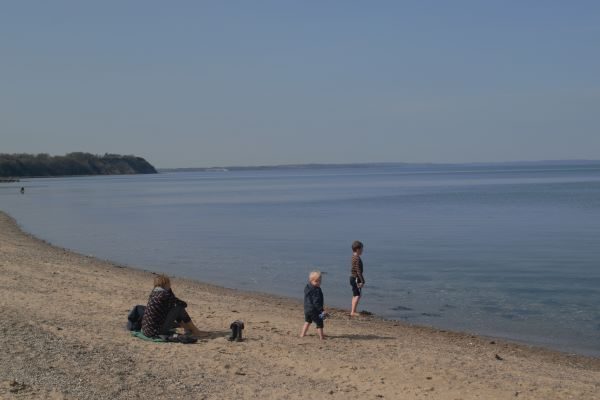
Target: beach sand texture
(63, 337)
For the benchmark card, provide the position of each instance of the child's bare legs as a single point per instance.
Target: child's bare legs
(304, 329)
(320, 332)
(355, 301)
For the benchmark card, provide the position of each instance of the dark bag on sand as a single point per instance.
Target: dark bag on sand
(134, 319)
(236, 331)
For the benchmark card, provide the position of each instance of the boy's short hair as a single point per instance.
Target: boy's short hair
(314, 275)
(356, 245)
(161, 281)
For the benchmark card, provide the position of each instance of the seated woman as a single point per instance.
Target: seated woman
(165, 312)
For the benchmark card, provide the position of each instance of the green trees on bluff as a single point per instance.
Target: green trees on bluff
(16, 165)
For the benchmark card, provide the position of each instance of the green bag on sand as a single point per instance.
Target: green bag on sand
(140, 335)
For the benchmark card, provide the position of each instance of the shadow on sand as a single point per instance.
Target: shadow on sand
(214, 335)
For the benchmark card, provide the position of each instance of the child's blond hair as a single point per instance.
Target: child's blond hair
(314, 276)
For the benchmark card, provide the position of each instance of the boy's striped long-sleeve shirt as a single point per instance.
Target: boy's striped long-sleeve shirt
(357, 269)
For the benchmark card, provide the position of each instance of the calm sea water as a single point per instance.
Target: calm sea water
(511, 252)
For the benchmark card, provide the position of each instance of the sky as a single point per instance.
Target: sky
(197, 84)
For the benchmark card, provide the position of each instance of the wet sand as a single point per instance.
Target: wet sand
(63, 327)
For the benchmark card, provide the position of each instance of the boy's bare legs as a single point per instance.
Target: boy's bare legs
(320, 332)
(355, 301)
(304, 329)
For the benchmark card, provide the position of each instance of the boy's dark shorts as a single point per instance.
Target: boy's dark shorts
(310, 318)
(355, 289)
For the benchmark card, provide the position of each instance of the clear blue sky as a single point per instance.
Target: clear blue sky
(270, 82)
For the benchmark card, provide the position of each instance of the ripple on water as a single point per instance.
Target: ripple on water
(401, 308)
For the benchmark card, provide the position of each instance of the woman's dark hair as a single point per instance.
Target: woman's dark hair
(357, 245)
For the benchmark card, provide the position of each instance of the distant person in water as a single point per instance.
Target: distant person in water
(313, 305)
(166, 312)
(357, 279)
(22, 190)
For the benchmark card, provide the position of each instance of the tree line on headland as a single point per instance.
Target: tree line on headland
(30, 165)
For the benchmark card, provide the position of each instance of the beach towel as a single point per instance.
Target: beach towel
(140, 335)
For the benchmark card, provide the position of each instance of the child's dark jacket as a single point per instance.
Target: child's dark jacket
(313, 299)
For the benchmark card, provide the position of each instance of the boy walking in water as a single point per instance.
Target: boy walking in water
(313, 304)
(357, 280)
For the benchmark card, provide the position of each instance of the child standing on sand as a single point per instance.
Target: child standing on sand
(313, 304)
(357, 280)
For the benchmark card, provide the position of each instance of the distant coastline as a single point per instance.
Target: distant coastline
(383, 164)
(14, 166)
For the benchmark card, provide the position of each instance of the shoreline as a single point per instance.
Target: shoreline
(371, 357)
(337, 310)
(531, 343)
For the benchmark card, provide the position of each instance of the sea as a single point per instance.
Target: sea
(508, 251)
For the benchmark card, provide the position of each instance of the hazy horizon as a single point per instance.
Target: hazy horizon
(273, 83)
(333, 164)
(557, 162)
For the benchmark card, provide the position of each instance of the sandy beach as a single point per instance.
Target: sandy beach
(63, 327)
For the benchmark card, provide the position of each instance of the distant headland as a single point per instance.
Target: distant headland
(71, 164)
